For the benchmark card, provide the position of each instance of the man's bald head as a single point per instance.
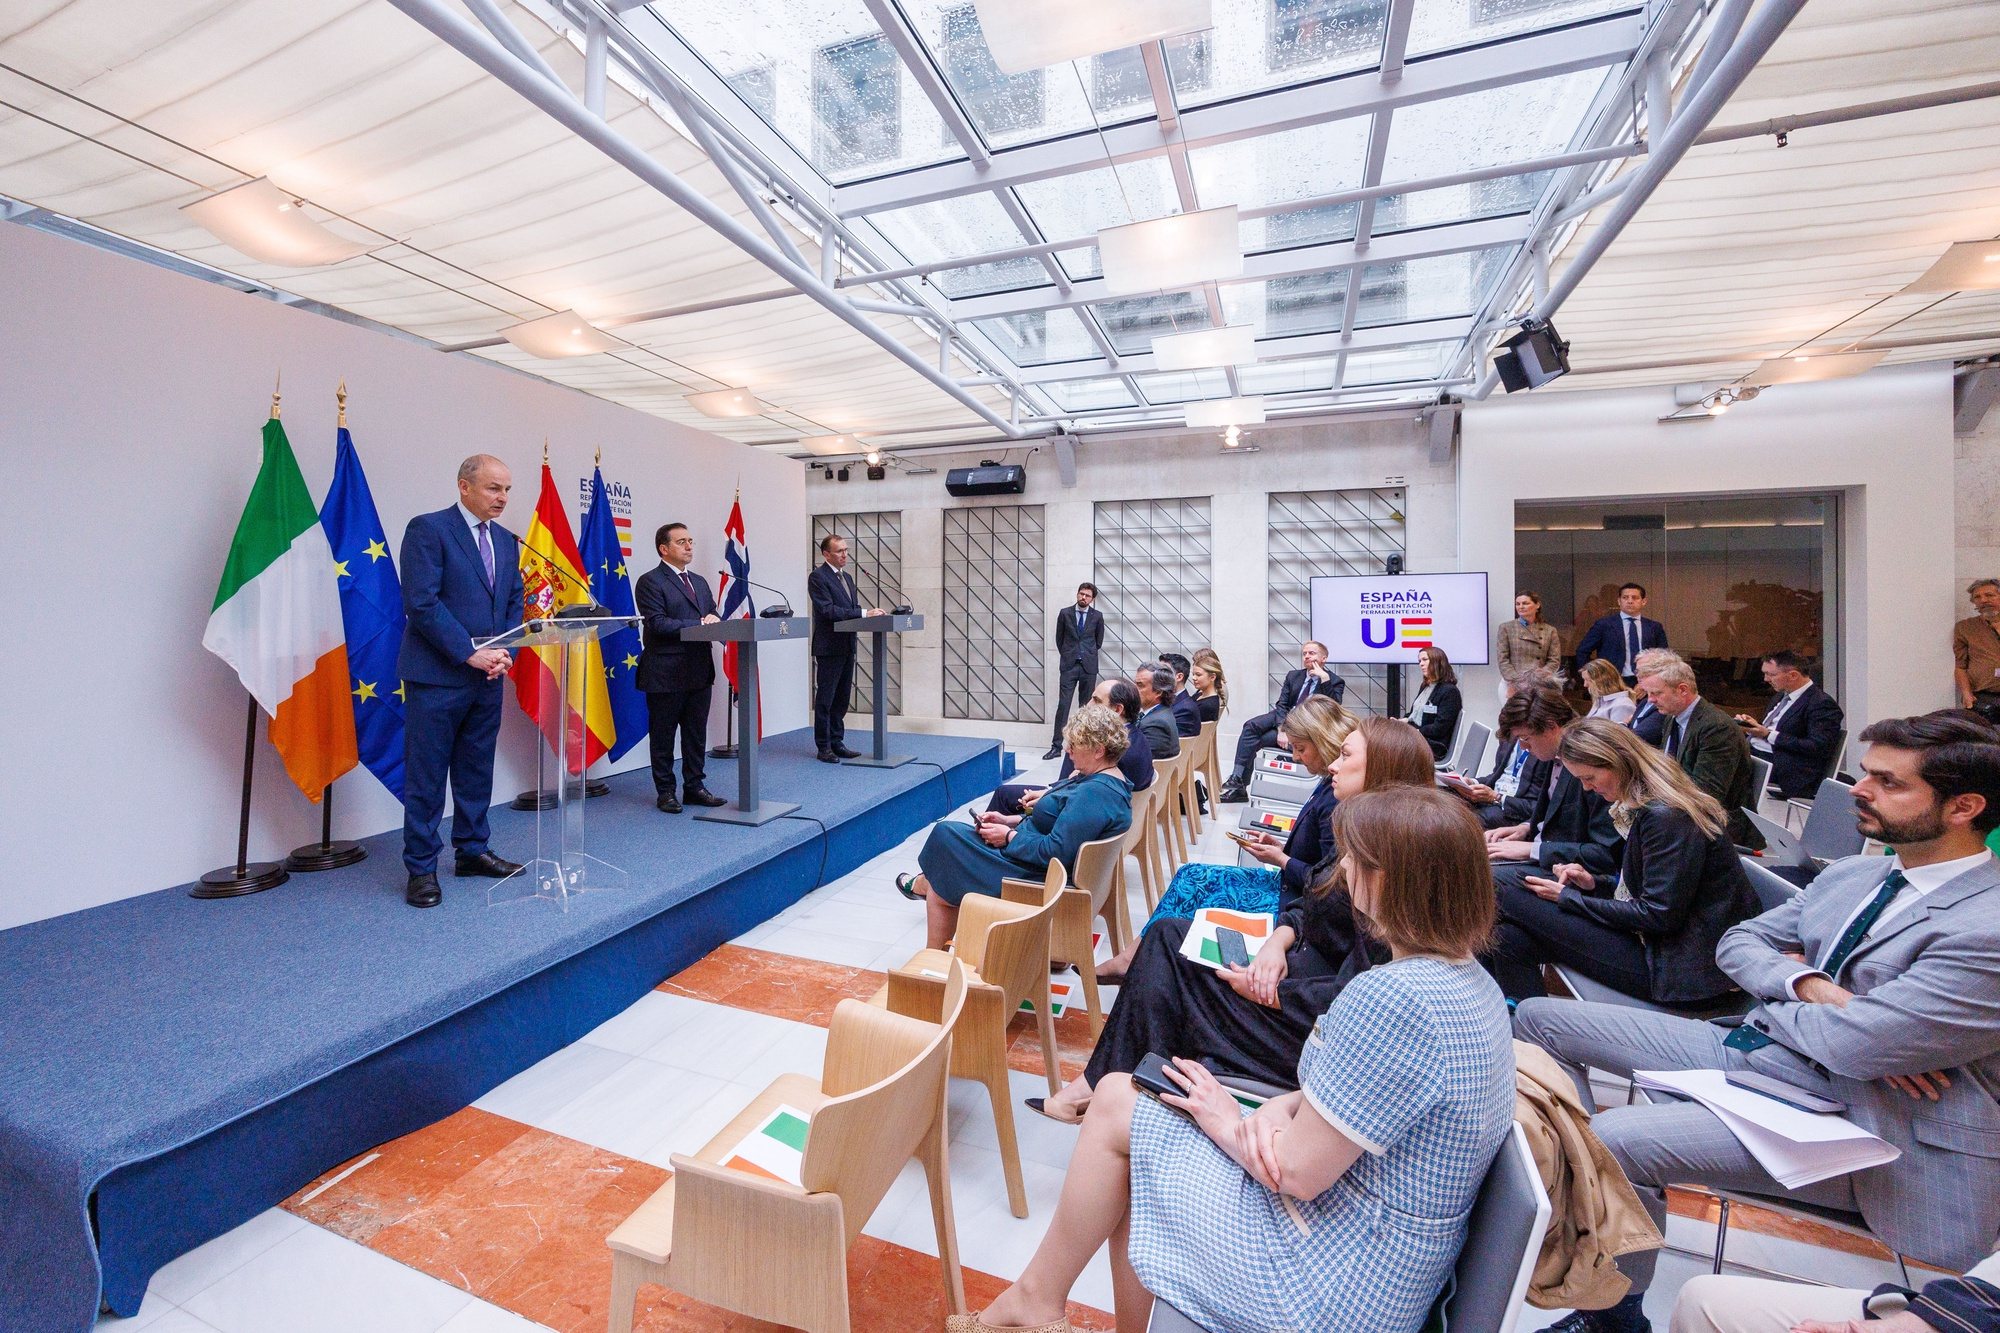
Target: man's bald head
(483, 484)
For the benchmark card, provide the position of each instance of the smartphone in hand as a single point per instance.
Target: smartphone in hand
(1234, 948)
(1151, 1076)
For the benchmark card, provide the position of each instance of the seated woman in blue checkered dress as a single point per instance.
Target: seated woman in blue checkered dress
(1338, 1207)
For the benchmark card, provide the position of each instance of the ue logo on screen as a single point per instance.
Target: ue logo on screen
(1416, 631)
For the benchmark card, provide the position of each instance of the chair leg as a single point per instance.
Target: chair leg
(625, 1281)
(1721, 1233)
(1002, 1097)
(1045, 1021)
(1088, 971)
(933, 1153)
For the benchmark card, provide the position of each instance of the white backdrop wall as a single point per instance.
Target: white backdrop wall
(130, 404)
(1883, 440)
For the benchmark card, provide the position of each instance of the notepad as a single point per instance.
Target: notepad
(1200, 945)
(1796, 1147)
(776, 1149)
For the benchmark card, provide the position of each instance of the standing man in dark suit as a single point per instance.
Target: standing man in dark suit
(1802, 733)
(461, 575)
(834, 597)
(1312, 677)
(1704, 741)
(1621, 636)
(678, 677)
(1079, 638)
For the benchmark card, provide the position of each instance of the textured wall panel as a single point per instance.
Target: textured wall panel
(875, 558)
(1151, 564)
(1326, 532)
(994, 653)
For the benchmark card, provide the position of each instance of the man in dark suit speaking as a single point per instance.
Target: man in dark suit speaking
(677, 677)
(1079, 638)
(834, 597)
(461, 576)
(1620, 637)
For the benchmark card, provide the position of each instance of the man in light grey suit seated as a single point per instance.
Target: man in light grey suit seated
(1878, 986)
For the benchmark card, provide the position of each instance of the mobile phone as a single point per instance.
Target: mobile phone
(1238, 838)
(1151, 1076)
(1779, 1090)
(1230, 943)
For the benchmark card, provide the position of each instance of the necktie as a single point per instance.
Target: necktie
(1674, 739)
(1631, 645)
(1777, 711)
(1747, 1038)
(486, 552)
(688, 583)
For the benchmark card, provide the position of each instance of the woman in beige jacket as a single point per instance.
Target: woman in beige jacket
(1526, 642)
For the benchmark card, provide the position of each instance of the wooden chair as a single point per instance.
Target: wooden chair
(1168, 777)
(1210, 764)
(1194, 759)
(777, 1251)
(1133, 845)
(1087, 898)
(1004, 946)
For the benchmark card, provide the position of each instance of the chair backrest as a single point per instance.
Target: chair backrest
(1471, 747)
(1096, 864)
(1829, 832)
(1771, 890)
(1008, 943)
(1760, 781)
(886, 1073)
(1503, 1240)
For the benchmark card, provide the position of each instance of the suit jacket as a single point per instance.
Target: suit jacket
(1535, 779)
(1927, 997)
(666, 662)
(1136, 763)
(1187, 714)
(1294, 689)
(1441, 723)
(1805, 741)
(447, 602)
(834, 597)
(1157, 723)
(1649, 722)
(1606, 638)
(1575, 825)
(1686, 891)
(1716, 754)
(1079, 650)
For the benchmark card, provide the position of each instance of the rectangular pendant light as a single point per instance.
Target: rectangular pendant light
(1235, 345)
(563, 334)
(1806, 369)
(1171, 252)
(1226, 412)
(1969, 266)
(263, 222)
(829, 445)
(738, 402)
(1024, 35)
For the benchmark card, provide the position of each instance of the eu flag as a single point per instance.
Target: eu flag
(604, 566)
(371, 611)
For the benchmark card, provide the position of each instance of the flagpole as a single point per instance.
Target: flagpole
(246, 876)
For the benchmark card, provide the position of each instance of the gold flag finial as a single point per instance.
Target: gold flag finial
(340, 397)
(600, 456)
(545, 451)
(276, 385)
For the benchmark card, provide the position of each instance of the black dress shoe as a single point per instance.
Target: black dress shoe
(423, 891)
(669, 803)
(487, 864)
(1055, 751)
(703, 796)
(828, 757)
(1233, 793)
(843, 752)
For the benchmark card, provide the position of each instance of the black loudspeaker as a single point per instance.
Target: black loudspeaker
(987, 479)
(1531, 358)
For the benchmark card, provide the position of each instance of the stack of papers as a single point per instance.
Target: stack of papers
(776, 1149)
(1200, 945)
(1796, 1147)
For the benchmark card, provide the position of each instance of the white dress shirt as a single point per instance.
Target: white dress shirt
(1762, 744)
(1921, 881)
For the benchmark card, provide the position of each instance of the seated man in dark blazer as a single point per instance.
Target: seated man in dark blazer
(461, 575)
(1621, 636)
(1312, 677)
(1802, 733)
(1648, 721)
(1708, 745)
(1187, 713)
(1156, 711)
(1569, 824)
(678, 677)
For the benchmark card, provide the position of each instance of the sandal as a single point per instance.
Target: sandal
(903, 883)
(1039, 1105)
(971, 1323)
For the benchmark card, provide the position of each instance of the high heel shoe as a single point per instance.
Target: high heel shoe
(970, 1323)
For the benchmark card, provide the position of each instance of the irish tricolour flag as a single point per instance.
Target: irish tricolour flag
(277, 621)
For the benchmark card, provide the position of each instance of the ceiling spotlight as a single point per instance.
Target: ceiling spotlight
(1025, 35)
(1232, 437)
(874, 457)
(563, 334)
(264, 223)
(1170, 252)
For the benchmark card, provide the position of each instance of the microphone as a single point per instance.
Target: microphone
(591, 609)
(900, 609)
(778, 612)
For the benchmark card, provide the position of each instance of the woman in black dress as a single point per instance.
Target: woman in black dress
(1435, 710)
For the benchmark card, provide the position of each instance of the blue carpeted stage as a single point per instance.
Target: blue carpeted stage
(171, 1067)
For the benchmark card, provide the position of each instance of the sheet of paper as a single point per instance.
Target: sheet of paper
(776, 1149)
(1200, 944)
(1796, 1147)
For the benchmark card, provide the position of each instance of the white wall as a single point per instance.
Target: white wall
(130, 404)
(1882, 439)
(1976, 498)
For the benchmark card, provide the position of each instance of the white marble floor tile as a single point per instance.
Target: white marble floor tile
(484, 1317)
(651, 1019)
(535, 1093)
(177, 1320)
(207, 1264)
(696, 1125)
(805, 941)
(151, 1308)
(1041, 1139)
(316, 1282)
(629, 1111)
(722, 1043)
(882, 921)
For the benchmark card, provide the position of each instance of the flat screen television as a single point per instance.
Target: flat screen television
(1390, 617)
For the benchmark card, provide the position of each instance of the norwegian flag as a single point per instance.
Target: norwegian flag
(732, 584)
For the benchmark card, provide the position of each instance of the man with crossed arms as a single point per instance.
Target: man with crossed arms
(1878, 986)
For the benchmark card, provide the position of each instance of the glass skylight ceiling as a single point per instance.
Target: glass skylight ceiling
(824, 77)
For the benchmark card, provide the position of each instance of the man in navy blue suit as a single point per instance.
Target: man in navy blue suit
(1803, 731)
(461, 575)
(1620, 637)
(834, 597)
(677, 676)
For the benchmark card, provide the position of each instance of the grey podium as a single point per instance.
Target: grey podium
(879, 628)
(746, 634)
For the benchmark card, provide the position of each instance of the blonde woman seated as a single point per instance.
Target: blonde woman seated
(1609, 698)
(1093, 802)
(1317, 727)
(1207, 685)
(1338, 1207)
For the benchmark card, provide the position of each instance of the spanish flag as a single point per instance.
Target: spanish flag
(552, 578)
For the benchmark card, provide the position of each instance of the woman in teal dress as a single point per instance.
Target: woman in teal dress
(1093, 802)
